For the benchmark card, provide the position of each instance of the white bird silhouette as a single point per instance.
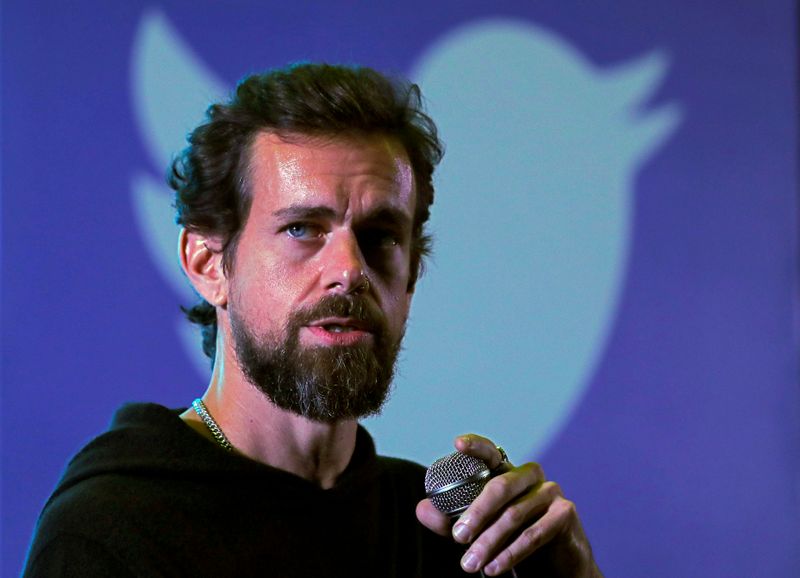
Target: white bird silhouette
(532, 223)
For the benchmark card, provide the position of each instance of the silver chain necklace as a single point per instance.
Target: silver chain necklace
(201, 410)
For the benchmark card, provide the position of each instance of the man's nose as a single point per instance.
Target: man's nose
(344, 265)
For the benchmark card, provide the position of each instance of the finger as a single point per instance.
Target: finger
(433, 519)
(557, 518)
(479, 447)
(493, 498)
(515, 516)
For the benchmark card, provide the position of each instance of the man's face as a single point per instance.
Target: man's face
(307, 328)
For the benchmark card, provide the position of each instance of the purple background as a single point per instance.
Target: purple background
(684, 455)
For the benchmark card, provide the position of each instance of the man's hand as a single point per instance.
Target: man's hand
(519, 514)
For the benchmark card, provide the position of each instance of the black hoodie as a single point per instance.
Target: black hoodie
(150, 497)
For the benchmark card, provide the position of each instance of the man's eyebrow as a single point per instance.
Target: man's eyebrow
(300, 212)
(388, 215)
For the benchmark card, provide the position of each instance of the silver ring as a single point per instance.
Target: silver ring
(503, 455)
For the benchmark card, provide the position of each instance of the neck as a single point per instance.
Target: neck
(259, 430)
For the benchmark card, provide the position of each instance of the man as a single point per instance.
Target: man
(303, 202)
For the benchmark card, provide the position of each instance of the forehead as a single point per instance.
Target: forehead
(339, 172)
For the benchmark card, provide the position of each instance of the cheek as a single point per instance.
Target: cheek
(400, 307)
(269, 287)
(399, 297)
(407, 304)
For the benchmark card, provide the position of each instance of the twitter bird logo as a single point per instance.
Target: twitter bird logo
(532, 226)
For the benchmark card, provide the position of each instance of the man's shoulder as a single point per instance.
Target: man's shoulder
(78, 525)
(118, 494)
(114, 479)
(141, 436)
(113, 474)
(66, 555)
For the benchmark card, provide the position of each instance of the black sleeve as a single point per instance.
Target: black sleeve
(68, 556)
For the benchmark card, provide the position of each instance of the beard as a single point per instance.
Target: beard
(324, 384)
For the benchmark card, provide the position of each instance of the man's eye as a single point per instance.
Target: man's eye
(389, 240)
(302, 231)
(380, 239)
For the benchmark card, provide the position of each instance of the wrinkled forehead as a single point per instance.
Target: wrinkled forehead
(294, 161)
(297, 141)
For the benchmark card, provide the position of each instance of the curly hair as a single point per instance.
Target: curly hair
(319, 100)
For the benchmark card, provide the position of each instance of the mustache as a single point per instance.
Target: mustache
(356, 307)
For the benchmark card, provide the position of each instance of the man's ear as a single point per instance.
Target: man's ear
(201, 259)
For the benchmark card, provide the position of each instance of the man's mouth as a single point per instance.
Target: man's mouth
(338, 328)
(340, 324)
(334, 328)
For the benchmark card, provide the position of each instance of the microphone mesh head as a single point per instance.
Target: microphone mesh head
(452, 469)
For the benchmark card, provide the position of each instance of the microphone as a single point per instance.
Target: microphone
(454, 481)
